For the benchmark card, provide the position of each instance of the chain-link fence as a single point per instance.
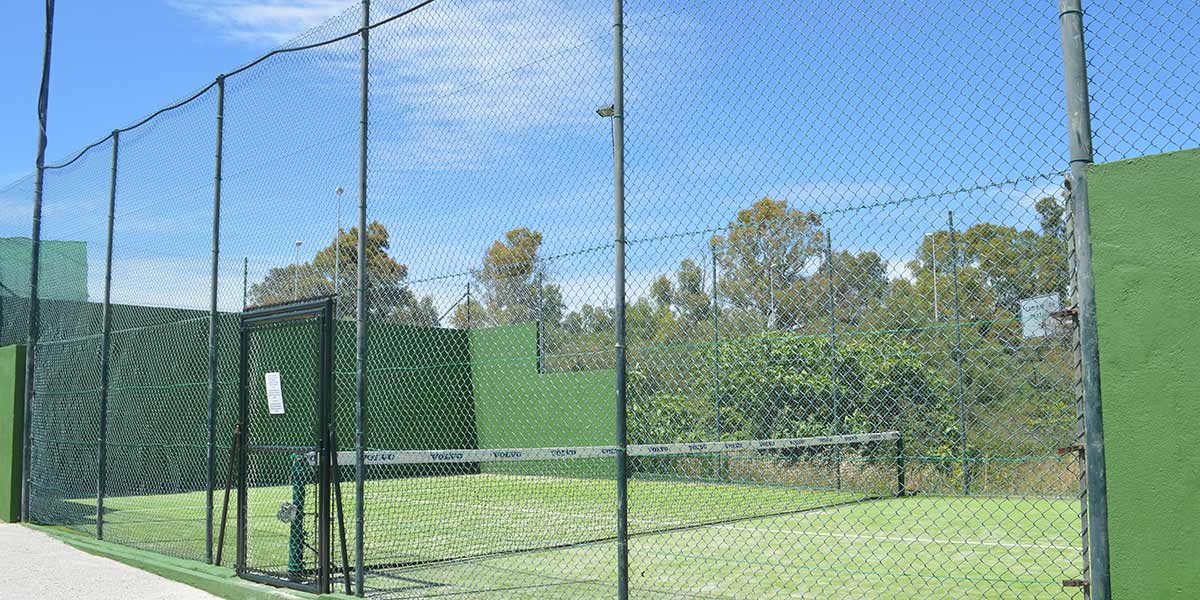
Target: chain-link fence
(846, 365)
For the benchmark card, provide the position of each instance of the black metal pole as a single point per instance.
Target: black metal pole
(105, 343)
(958, 360)
(618, 136)
(1079, 121)
(35, 261)
(212, 324)
(360, 416)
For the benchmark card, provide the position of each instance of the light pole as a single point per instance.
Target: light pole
(296, 272)
(337, 248)
(933, 246)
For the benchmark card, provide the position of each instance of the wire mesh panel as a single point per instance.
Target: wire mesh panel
(828, 238)
(157, 409)
(65, 432)
(490, 197)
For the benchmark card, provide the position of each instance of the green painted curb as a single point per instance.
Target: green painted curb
(218, 581)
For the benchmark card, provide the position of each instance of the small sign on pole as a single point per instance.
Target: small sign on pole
(274, 394)
(1035, 315)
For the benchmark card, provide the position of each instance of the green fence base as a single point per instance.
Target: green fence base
(218, 581)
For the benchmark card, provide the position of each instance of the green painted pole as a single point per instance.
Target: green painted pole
(958, 361)
(360, 385)
(212, 325)
(622, 438)
(106, 343)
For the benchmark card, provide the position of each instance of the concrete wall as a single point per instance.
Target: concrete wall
(1146, 242)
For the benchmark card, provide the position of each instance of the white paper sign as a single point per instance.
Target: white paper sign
(274, 394)
(1035, 315)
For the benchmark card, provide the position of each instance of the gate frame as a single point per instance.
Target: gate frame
(322, 309)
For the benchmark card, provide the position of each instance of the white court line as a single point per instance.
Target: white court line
(888, 538)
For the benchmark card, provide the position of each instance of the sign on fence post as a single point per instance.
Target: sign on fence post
(1035, 315)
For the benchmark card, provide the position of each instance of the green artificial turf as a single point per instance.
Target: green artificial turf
(485, 535)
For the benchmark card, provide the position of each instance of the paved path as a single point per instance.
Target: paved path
(34, 565)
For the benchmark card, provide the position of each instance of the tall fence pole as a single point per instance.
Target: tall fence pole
(958, 359)
(717, 357)
(360, 386)
(1079, 123)
(212, 324)
(833, 358)
(35, 261)
(618, 136)
(106, 342)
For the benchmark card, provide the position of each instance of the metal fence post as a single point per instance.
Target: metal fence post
(618, 136)
(360, 387)
(716, 336)
(541, 324)
(35, 262)
(1079, 123)
(212, 324)
(958, 359)
(106, 343)
(833, 362)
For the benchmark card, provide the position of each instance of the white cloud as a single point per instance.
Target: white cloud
(271, 22)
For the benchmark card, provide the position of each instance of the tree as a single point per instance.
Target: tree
(859, 285)
(514, 286)
(334, 269)
(764, 260)
(686, 295)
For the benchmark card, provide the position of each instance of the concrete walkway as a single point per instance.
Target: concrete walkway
(34, 565)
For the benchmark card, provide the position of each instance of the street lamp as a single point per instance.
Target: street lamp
(933, 248)
(337, 247)
(296, 272)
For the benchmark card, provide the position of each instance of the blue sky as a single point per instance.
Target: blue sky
(483, 120)
(115, 62)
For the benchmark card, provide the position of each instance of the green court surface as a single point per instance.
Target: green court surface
(487, 536)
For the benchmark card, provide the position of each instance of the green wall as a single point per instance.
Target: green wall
(1146, 245)
(518, 407)
(12, 426)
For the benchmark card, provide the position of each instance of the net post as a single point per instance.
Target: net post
(212, 325)
(296, 534)
(35, 239)
(1080, 140)
(618, 136)
(958, 359)
(360, 387)
(901, 485)
(105, 342)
